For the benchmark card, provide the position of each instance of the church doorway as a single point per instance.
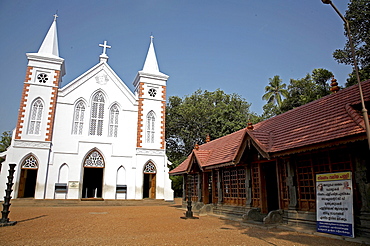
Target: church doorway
(149, 184)
(27, 181)
(92, 184)
(271, 186)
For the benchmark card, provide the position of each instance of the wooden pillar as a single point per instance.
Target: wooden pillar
(292, 188)
(199, 187)
(219, 187)
(248, 187)
(205, 191)
(184, 186)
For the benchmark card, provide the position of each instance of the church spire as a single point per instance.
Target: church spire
(151, 64)
(50, 44)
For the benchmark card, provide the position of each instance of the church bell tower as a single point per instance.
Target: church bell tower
(150, 88)
(37, 108)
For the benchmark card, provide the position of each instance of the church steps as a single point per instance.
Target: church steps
(77, 202)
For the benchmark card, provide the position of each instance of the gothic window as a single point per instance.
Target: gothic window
(78, 118)
(30, 163)
(34, 126)
(149, 168)
(94, 159)
(150, 121)
(97, 114)
(113, 121)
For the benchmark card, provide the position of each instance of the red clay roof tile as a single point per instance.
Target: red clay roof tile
(329, 118)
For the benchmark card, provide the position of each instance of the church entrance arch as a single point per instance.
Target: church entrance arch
(93, 175)
(149, 180)
(27, 181)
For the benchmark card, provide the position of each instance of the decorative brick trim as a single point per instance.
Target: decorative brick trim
(140, 116)
(53, 103)
(163, 116)
(23, 103)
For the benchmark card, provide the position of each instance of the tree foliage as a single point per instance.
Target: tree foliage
(5, 142)
(301, 91)
(190, 119)
(275, 90)
(358, 16)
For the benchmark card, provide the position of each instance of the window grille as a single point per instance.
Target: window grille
(234, 186)
(30, 163)
(284, 193)
(113, 121)
(308, 165)
(192, 184)
(97, 114)
(78, 119)
(149, 168)
(150, 118)
(256, 195)
(35, 117)
(94, 159)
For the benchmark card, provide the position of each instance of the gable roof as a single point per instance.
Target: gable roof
(336, 117)
(101, 67)
(329, 118)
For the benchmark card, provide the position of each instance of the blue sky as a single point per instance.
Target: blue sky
(234, 45)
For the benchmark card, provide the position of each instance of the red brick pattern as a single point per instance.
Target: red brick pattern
(140, 116)
(53, 101)
(22, 107)
(163, 117)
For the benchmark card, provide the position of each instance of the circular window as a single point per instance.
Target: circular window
(152, 92)
(42, 78)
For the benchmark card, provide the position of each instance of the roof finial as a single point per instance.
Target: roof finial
(208, 138)
(196, 146)
(56, 16)
(103, 56)
(334, 85)
(151, 37)
(250, 126)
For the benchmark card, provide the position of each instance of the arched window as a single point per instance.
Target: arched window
(34, 125)
(150, 123)
(30, 163)
(78, 118)
(113, 121)
(94, 159)
(97, 114)
(150, 168)
(63, 173)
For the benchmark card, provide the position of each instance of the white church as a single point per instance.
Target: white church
(91, 139)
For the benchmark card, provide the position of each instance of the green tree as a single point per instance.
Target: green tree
(190, 119)
(301, 91)
(321, 77)
(358, 16)
(5, 142)
(275, 90)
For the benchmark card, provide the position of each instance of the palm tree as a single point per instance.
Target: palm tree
(275, 90)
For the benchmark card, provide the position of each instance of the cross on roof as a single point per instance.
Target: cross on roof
(55, 16)
(105, 46)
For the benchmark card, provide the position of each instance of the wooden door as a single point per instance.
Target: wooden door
(152, 185)
(22, 183)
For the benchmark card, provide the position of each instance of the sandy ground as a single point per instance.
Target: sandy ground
(139, 225)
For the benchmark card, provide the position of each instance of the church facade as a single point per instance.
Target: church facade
(92, 138)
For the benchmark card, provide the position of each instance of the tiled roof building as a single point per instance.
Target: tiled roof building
(282, 155)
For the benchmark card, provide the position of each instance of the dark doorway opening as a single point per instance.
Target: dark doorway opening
(27, 183)
(92, 183)
(149, 185)
(271, 186)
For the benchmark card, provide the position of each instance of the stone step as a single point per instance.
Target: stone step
(28, 202)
